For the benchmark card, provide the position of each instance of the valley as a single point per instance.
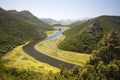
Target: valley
(49, 47)
(60, 41)
(29, 49)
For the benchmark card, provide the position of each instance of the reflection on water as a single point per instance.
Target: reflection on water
(30, 50)
(56, 33)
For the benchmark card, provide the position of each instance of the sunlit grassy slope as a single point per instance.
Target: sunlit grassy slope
(49, 47)
(19, 59)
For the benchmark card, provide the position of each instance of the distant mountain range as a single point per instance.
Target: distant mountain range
(53, 22)
(49, 21)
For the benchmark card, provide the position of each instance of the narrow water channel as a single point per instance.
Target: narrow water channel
(30, 50)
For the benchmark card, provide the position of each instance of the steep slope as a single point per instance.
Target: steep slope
(104, 65)
(29, 17)
(86, 36)
(15, 31)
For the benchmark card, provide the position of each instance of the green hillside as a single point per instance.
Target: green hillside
(104, 65)
(86, 36)
(29, 17)
(15, 31)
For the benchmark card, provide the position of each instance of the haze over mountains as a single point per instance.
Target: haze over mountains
(62, 22)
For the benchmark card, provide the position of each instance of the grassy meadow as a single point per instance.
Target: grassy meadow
(49, 48)
(19, 59)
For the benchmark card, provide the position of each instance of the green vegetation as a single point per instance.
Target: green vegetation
(84, 38)
(15, 30)
(49, 48)
(93, 36)
(15, 74)
(30, 18)
(17, 58)
(104, 65)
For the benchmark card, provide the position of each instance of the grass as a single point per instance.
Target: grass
(19, 59)
(49, 48)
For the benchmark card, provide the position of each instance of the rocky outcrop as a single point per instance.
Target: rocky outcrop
(94, 27)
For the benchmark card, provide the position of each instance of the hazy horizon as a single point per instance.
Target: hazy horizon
(64, 9)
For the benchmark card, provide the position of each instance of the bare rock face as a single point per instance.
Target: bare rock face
(94, 27)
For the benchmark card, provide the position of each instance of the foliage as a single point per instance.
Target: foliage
(15, 31)
(30, 18)
(15, 74)
(109, 49)
(49, 48)
(105, 67)
(86, 36)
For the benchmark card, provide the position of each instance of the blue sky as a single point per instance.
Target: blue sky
(64, 9)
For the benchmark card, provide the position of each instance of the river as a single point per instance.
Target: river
(30, 50)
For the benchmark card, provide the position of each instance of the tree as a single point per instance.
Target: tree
(108, 50)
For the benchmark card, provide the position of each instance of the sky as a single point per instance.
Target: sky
(64, 9)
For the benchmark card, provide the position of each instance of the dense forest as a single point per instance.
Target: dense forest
(86, 36)
(104, 65)
(16, 30)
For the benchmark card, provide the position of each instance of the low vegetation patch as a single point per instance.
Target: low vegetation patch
(49, 48)
(17, 58)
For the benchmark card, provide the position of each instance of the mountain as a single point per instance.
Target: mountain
(76, 23)
(49, 21)
(15, 30)
(29, 17)
(65, 22)
(72, 22)
(86, 36)
(59, 22)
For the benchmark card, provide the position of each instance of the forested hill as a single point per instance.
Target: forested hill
(15, 31)
(85, 36)
(29, 17)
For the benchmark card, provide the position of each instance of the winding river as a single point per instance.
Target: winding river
(30, 50)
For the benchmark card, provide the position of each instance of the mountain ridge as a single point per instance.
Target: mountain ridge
(29, 17)
(85, 37)
(16, 31)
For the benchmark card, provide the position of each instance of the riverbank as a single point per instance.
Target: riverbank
(17, 58)
(49, 48)
(30, 50)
